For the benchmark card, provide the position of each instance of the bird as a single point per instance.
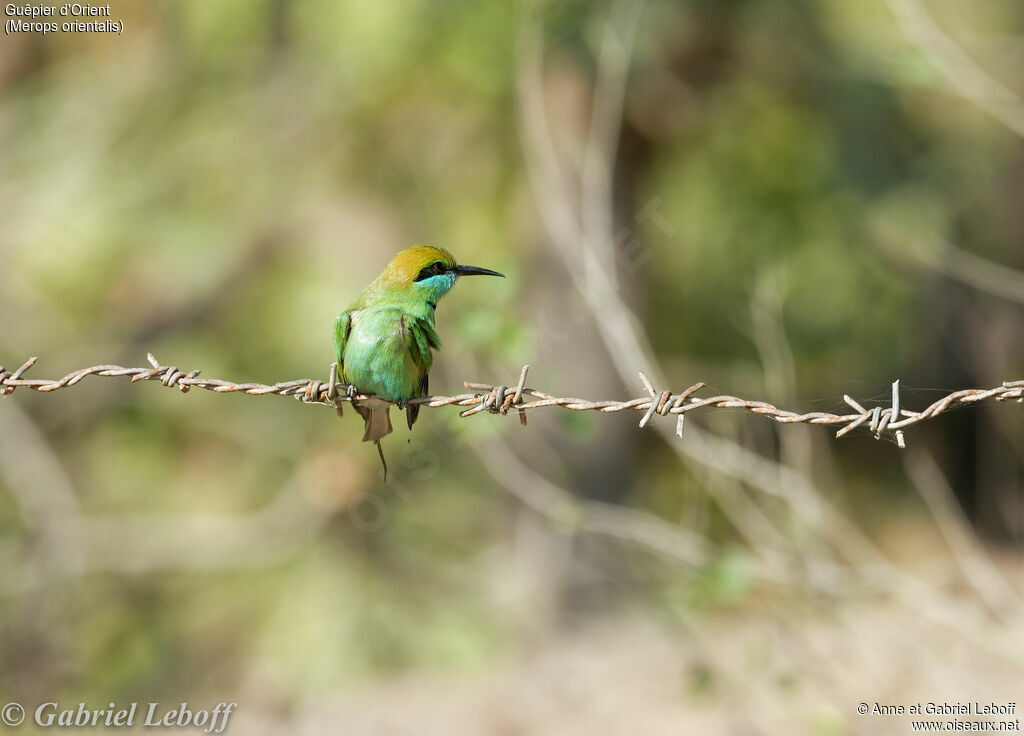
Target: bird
(384, 341)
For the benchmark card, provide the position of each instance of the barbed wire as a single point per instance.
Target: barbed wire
(879, 420)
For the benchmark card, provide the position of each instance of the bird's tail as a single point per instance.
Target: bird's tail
(378, 422)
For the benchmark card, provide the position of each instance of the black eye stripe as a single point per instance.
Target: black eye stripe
(434, 269)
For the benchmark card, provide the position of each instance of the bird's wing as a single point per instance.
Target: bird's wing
(342, 328)
(423, 338)
(433, 339)
(412, 411)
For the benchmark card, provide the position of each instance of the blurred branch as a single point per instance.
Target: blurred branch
(640, 529)
(768, 334)
(135, 543)
(598, 167)
(557, 504)
(970, 80)
(978, 569)
(33, 475)
(204, 541)
(576, 240)
(968, 268)
(502, 399)
(627, 344)
(617, 326)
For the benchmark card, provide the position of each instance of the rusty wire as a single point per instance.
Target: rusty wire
(879, 420)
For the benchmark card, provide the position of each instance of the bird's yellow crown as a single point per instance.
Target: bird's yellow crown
(406, 267)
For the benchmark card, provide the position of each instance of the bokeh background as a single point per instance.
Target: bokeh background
(790, 201)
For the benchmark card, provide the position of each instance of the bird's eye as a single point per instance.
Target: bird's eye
(434, 269)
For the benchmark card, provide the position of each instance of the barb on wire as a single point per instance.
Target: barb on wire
(881, 421)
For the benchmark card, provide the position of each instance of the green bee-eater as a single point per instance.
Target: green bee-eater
(383, 341)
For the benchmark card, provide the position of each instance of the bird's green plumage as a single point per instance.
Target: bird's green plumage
(384, 341)
(385, 351)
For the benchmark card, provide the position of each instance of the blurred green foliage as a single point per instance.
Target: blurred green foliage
(217, 183)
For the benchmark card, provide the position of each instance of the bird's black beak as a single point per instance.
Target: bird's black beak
(475, 271)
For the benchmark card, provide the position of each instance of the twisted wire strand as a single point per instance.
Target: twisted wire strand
(879, 420)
